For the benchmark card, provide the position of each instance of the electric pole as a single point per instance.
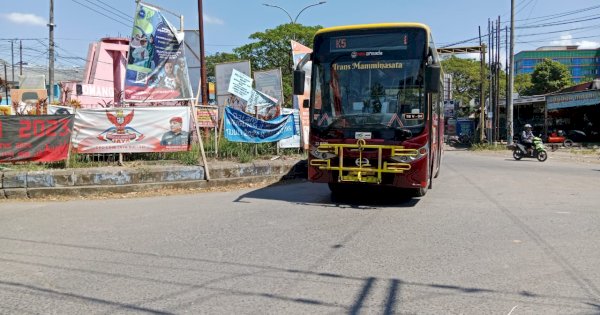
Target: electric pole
(20, 57)
(51, 53)
(203, 79)
(12, 58)
(511, 77)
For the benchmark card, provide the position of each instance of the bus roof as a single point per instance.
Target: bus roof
(373, 26)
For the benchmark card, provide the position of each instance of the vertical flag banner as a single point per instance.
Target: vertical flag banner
(298, 52)
(132, 129)
(156, 67)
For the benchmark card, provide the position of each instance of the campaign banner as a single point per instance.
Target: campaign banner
(241, 127)
(298, 52)
(44, 138)
(156, 67)
(207, 117)
(133, 129)
(294, 141)
(223, 73)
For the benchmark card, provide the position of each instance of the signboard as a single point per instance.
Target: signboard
(192, 56)
(269, 83)
(298, 52)
(135, 129)
(156, 67)
(241, 127)
(585, 98)
(43, 138)
(240, 85)
(207, 117)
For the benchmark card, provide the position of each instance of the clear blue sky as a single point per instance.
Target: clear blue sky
(228, 23)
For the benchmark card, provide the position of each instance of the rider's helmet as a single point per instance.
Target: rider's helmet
(527, 126)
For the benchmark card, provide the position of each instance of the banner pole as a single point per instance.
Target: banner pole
(200, 142)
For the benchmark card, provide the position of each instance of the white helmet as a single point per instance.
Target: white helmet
(527, 126)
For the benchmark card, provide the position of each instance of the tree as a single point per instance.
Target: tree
(523, 84)
(272, 49)
(217, 58)
(549, 76)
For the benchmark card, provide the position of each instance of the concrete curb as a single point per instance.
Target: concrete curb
(122, 180)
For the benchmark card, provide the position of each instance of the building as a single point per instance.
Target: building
(103, 77)
(583, 64)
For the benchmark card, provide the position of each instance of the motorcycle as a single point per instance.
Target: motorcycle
(538, 150)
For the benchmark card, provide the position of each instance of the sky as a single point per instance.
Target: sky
(229, 23)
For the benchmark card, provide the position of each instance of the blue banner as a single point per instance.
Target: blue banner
(241, 127)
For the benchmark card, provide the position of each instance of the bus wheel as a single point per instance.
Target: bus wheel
(337, 188)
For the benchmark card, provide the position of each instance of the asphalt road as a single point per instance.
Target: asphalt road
(494, 236)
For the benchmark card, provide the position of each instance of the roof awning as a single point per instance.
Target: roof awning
(585, 98)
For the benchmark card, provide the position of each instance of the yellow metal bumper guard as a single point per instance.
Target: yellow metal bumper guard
(363, 173)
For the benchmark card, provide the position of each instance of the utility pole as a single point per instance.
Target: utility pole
(6, 84)
(51, 53)
(497, 69)
(203, 78)
(481, 91)
(511, 77)
(12, 58)
(20, 57)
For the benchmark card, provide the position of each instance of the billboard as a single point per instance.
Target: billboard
(223, 73)
(133, 129)
(156, 66)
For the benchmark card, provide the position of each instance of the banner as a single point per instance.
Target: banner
(269, 83)
(43, 138)
(60, 110)
(156, 67)
(241, 127)
(133, 129)
(207, 117)
(298, 52)
(294, 141)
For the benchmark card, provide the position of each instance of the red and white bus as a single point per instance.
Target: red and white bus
(376, 107)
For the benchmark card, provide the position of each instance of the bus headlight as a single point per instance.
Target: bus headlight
(421, 152)
(322, 155)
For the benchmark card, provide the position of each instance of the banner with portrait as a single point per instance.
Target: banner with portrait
(132, 129)
(156, 67)
(44, 138)
(241, 127)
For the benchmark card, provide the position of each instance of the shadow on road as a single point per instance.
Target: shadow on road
(146, 268)
(359, 197)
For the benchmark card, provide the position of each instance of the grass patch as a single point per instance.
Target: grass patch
(488, 147)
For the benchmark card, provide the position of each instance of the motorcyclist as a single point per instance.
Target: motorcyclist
(527, 138)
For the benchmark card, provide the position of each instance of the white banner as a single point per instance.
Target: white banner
(240, 85)
(132, 129)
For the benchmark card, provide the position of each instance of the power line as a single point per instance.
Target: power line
(120, 22)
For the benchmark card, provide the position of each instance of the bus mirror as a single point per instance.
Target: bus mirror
(432, 78)
(306, 103)
(299, 77)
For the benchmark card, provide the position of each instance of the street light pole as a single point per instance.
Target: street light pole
(293, 21)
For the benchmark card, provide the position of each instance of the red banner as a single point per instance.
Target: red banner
(35, 138)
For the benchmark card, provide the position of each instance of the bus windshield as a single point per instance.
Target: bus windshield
(369, 82)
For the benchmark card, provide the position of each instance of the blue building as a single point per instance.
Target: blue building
(584, 64)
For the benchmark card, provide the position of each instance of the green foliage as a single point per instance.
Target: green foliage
(217, 58)
(272, 49)
(465, 77)
(523, 84)
(549, 76)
